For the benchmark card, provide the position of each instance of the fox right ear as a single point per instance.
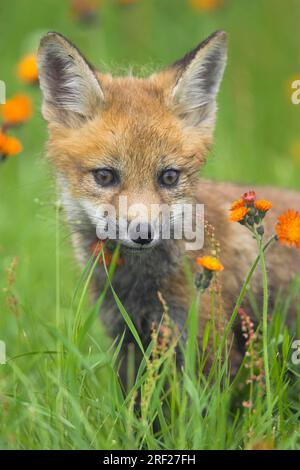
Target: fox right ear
(71, 91)
(192, 83)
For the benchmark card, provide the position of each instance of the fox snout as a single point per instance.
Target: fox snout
(141, 234)
(135, 233)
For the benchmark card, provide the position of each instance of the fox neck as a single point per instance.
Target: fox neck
(158, 262)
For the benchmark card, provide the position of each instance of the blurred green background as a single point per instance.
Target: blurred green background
(257, 137)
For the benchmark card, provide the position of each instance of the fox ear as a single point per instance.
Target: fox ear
(71, 91)
(193, 82)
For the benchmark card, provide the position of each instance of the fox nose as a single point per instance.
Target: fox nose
(142, 234)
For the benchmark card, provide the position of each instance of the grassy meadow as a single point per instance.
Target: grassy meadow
(59, 387)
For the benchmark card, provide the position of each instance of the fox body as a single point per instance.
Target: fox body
(147, 140)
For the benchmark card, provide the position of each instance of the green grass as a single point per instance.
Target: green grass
(59, 388)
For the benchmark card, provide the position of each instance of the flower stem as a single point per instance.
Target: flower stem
(265, 323)
(244, 289)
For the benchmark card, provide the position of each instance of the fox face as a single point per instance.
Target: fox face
(130, 144)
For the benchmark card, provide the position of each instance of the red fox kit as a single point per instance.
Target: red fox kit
(146, 140)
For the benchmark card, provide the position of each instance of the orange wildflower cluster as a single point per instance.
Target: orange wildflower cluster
(205, 5)
(248, 209)
(14, 112)
(27, 69)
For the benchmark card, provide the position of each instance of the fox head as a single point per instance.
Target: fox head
(127, 138)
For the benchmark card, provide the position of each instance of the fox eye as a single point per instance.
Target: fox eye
(106, 177)
(169, 178)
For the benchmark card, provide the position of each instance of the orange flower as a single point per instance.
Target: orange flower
(27, 69)
(210, 263)
(237, 204)
(288, 228)
(9, 145)
(17, 110)
(237, 215)
(205, 5)
(262, 205)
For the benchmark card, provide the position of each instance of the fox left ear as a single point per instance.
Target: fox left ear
(71, 91)
(192, 83)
